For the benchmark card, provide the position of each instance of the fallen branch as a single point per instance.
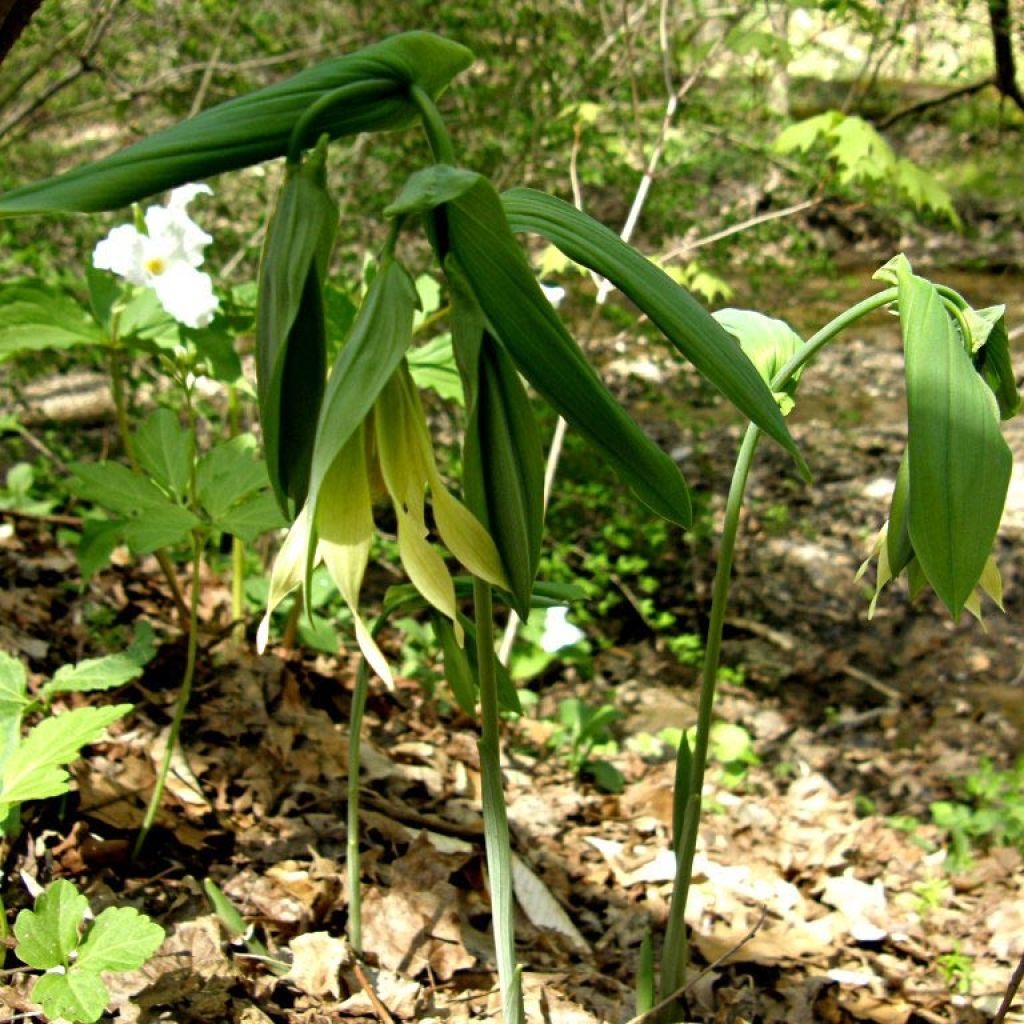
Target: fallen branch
(935, 101)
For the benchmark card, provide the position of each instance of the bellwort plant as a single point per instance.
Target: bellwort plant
(338, 440)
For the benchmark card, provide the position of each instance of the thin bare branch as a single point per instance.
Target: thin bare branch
(1011, 991)
(937, 101)
(98, 30)
(744, 225)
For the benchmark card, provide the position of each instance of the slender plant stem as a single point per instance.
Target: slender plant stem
(353, 869)
(237, 545)
(676, 954)
(433, 125)
(117, 391)
(496, 834)
(184, 692)
(691, 765)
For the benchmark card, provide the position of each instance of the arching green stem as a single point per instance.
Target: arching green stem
(355, 92)
(434, 126)
(691, 765)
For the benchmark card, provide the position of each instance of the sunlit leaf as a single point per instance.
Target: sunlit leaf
(683, 321)
(525, 323)
(959, 462)
(164, 449)
(34, 318)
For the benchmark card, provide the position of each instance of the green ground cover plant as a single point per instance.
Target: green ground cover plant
(337, 440)
(53, 937)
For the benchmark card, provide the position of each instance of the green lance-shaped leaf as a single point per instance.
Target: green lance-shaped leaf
(992, 361)
(671, 308)
(257, 126)
(899, 547)
(379, 339)
(502, 456)
(291, 341)
(503, 469)
(471, 224)
(959, 462)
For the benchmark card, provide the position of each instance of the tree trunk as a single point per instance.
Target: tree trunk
(1002, 47)
(14, 16)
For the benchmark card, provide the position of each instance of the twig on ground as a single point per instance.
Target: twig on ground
(647, 1015)
(378, 1007)
(37, 517)
(1011, 991)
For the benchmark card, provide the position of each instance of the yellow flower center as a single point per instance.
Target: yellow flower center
(155, 266)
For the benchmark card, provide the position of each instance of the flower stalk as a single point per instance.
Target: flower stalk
(691, 766)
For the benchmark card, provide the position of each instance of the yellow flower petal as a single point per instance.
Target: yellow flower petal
(344, 521)
(287, 574)
(465, 536)
(426, 569)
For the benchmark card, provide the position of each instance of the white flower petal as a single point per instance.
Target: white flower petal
(559, 632)
(180, 238)
(187, 294)
(554, 294)
(184, 194)
(123, 252)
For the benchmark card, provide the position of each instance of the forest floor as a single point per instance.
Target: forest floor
(822, 891)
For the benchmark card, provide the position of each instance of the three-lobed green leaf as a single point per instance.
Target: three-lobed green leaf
(165, 450)
(48, 934)
(49, 939)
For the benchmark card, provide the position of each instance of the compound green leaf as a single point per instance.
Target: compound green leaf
(94, 674)
(33, 318)
(115, 487)
(13, 701)
(227, 473)
(164, 449)
(34, 771)
(252, 517)
(159, 528)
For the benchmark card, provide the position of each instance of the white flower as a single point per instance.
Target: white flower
(554, 293)
(559, 632)
(166, 258)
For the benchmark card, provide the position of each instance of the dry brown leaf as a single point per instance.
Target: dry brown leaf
(317, 959)
(541, 907)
